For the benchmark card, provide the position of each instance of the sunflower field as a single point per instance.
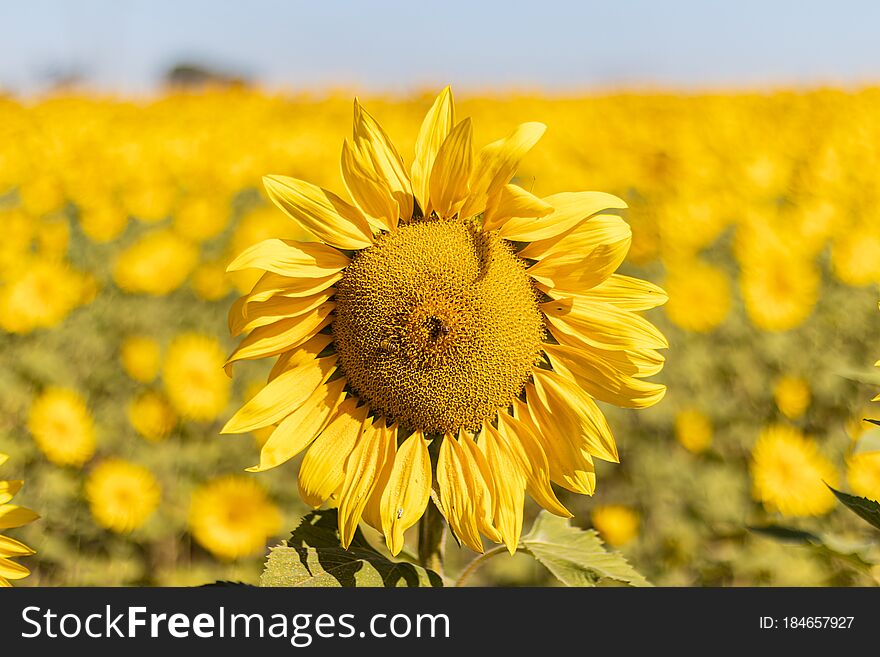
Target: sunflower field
(756, 213)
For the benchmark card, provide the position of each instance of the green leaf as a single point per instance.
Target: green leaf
(856, 555)
(314, 557)
(575, 556)
(868, 510)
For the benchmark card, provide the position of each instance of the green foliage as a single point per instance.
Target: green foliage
(868, 510)
(314, 557)
(855, 555)
(575, 556)
(869, 441)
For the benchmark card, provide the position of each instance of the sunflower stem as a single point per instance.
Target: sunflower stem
(477, 562)
(432, 535)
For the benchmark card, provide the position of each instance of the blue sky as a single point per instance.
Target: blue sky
(392, 45)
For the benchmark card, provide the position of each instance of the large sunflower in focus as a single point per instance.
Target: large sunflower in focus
(446, 312)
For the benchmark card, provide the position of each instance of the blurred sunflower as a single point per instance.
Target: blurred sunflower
(121, 495)
(699, 295)
(41, 294)
(792, 396)
(141, 357)
(232, 517)
(193, 377)
(446, 305)
(779, 289)
(693, 430)
(62, 426)
(158, 263)
(790, 474)
(12, 516)
(151, 415)
(617, 524)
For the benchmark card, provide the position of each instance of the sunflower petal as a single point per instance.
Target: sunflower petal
(602, 325)
(272, 284)
(8, 489)
(12, 516)
(305, 353)
(322, 470)
(526, 448)
(569, 210)
(622, 292)
(282, 396)
(370, 193)
(9, 547)
(576, 413)
(577, 269)
(602, 380)
(362, 470)
(322, 213)
(377, 148)
(583, 237)
(514, 201)
(373, 509)
(282, 335)
(407, 492)
(497, 163)
(297, 431)
(290, 258)
(435, 128)
(456, 488)
(11, 570)
(570, 466)
(448, 183)
(267, 312)
(484, 485)
(510, 485)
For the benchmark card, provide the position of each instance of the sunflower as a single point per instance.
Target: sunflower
(193, 377)
(789, 473)
(12, 516)
(141, 357)
(121, 495)
(151, 415)
(232, 516)
(617, 524)
(62, 426)
(693, 430)
(448, 329)
(792, 396)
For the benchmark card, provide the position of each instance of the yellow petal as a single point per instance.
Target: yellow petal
(8, 489)
(9, 547)
(267, 312)
(271, 285)
(376, 147)
(296, 432)
(302, 355)
(510, 485)
(456, 488)
(497, 164)
(514, 201)
(622, 292)
(448, 184)
(3, 458)
(526, 448)
(362, 470)
(569, 210)
(576, 414)
(290, 258)
(11, 570)
(577, 269)
(322, 470)
(583, 236)
(406, 494)
(373, 510)
(604, 378)
(282, 335)
(12, 516)
(4, 583)
(602, 325)
(282, 396)
(322, 213)
(370, 193)
(570, 466)
(435, 128)
(483, 487)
